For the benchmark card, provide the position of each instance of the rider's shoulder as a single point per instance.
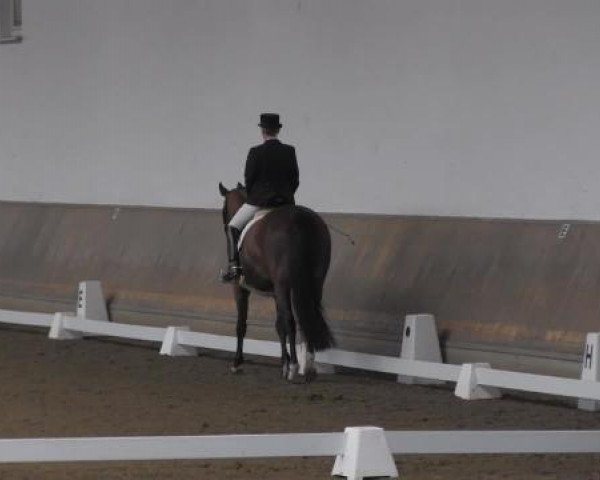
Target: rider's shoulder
(269, 145)
(254, 149)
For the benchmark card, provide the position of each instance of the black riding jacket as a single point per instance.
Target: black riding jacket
(271, 174)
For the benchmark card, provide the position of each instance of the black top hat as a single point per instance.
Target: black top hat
(269, 120)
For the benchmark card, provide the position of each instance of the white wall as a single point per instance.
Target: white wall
(443, 107)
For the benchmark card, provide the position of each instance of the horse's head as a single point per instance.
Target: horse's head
(232, 200)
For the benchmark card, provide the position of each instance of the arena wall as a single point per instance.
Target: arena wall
(514, 292)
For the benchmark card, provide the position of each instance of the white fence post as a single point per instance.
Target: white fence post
(58, 330)
(420, 341)
(467, 387)
(590, 370)
(366, 454)
(90, 306)
(90, 301)
(171, 346)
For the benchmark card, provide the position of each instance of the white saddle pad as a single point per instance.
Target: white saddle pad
(258, 216)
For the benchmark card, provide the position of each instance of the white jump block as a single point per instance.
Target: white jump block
(590, 370)
(90, 306)
(171, 346)
(90, 301)
(58, 330)
(366, 454)
(467, 387)
(420, 342)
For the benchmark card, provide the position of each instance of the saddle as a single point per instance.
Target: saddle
(258, 216)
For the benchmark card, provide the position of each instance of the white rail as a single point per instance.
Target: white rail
(439, 371)
(32, 319)
(473, 381)
(170, 447)
(527, 382)
(398, 366)
(360, 451)
(484, 442)
(342, 358)
(113, 329)
(229, 344)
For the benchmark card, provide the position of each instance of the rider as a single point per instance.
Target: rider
(271, 177)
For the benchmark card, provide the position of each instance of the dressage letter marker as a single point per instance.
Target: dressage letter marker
(420, 342)
(90, 306)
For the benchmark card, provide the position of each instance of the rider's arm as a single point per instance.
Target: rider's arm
(250, 171)
(295, 173)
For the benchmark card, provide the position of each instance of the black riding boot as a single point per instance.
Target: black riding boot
(233, 270)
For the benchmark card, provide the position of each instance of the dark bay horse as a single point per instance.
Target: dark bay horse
(286, 255)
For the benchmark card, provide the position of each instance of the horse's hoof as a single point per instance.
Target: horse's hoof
(236, 369)
(293, 371)
(310, 375)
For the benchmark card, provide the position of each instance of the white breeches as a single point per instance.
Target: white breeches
(243, 216)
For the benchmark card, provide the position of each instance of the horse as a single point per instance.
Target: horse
(285, 255)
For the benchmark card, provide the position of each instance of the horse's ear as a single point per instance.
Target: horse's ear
(240, 186)
(222, 189)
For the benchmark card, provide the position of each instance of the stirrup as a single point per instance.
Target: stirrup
(234, 272)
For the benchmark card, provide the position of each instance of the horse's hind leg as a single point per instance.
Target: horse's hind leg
(241, 300)
(287, 332)
(285, 358)
(291, 326)
(310, 372)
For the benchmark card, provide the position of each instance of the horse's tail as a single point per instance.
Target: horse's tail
(307, 291)
(309, 312)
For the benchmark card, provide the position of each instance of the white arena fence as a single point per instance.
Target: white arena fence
(420, 360)
(359, 452)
